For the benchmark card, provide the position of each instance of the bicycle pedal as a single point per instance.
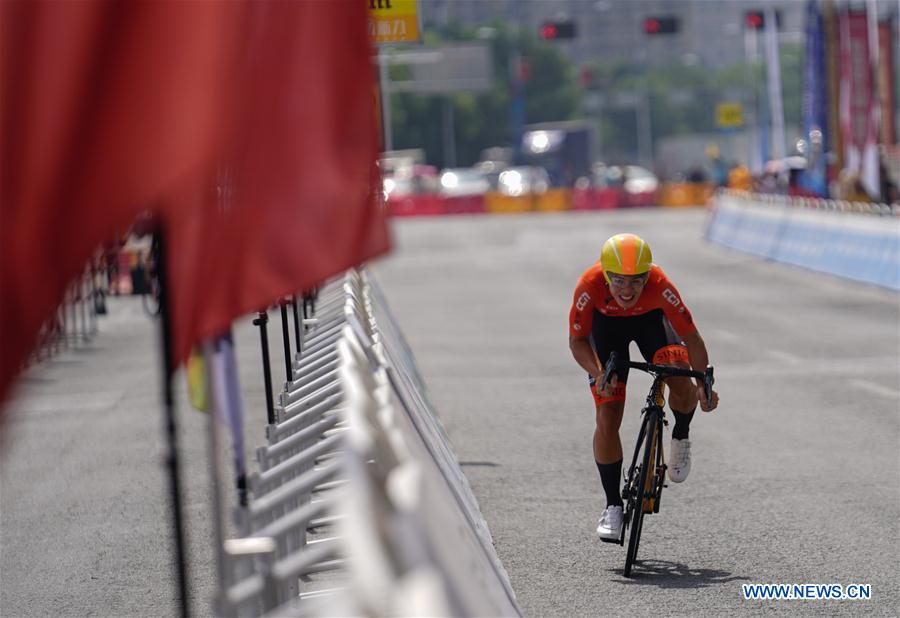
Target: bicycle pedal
(616, 541)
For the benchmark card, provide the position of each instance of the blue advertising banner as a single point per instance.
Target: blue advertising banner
(815, 123)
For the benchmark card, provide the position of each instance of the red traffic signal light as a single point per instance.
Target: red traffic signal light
(553, 30)
(661, 25)
(548, 31)
(756, 20)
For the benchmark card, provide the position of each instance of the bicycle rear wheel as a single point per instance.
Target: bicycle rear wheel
(638, 493)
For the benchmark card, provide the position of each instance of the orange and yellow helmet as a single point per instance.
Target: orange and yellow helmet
(625, 254)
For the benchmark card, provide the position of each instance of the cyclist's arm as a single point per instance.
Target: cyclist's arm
(697, 354)
(699, 358)
(584, 355)
(581, 317)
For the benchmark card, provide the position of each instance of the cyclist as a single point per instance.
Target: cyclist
(622, 298)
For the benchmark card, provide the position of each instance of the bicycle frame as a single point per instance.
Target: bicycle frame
(655, 418)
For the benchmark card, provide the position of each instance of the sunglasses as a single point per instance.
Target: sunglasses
(621, 281)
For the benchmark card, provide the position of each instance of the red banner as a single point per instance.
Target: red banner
(858, 111)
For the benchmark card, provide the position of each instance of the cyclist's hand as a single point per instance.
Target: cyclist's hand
(610, 386)
(707, 406)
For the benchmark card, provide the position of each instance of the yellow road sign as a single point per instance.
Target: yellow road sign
(393, 21)
(729, 115)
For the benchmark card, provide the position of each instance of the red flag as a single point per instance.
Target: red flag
(107, 107)
(293, 200)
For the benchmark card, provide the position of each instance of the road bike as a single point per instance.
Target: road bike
(645, 477)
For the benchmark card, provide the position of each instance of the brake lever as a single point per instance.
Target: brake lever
(708, 382)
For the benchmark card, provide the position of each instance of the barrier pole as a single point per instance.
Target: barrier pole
(313, 296)
(170, 429)
(85, 328)
(296, 324)
(306, 313)
(74, 310)
(286, 337)
(261, 321)
(93, 295)
(61, 343)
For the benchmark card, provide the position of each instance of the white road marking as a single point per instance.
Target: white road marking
(786, 357)
(878, 389)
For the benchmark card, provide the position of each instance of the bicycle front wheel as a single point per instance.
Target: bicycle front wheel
(639, 491)
(150, 300)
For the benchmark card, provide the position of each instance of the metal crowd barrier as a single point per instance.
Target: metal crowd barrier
(75, 320)
(359, 506)
(850, 240)
(814, 203)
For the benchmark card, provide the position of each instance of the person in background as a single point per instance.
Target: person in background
(740, 179)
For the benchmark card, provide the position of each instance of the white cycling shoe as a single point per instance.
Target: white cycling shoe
(610, 526)
(680, 462)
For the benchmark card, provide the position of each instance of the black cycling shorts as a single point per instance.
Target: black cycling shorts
(655, 338)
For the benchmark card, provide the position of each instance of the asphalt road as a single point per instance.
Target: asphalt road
(795, 479)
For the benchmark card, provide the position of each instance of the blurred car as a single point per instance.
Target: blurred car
(397, 186)
(523, 180)
(630, 178)
(415, 180)
(462, 181)
(616, 186)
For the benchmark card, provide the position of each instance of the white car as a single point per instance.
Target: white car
(524, 180)
(630, 178)
(460, 181)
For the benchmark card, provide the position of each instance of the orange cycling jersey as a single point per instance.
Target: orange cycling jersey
(592, 294)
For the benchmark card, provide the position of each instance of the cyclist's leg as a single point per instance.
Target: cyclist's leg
(607, 445)
(609, 335)
(659, 343)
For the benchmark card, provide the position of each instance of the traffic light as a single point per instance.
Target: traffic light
(553, 30)
(662, 25)
(756, 20)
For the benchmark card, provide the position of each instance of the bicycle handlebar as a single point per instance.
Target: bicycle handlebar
(662, 371)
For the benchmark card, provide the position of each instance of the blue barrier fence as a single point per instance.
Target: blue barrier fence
(855, 242)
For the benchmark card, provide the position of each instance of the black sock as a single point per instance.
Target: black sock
(682, 424)
(611, 478)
